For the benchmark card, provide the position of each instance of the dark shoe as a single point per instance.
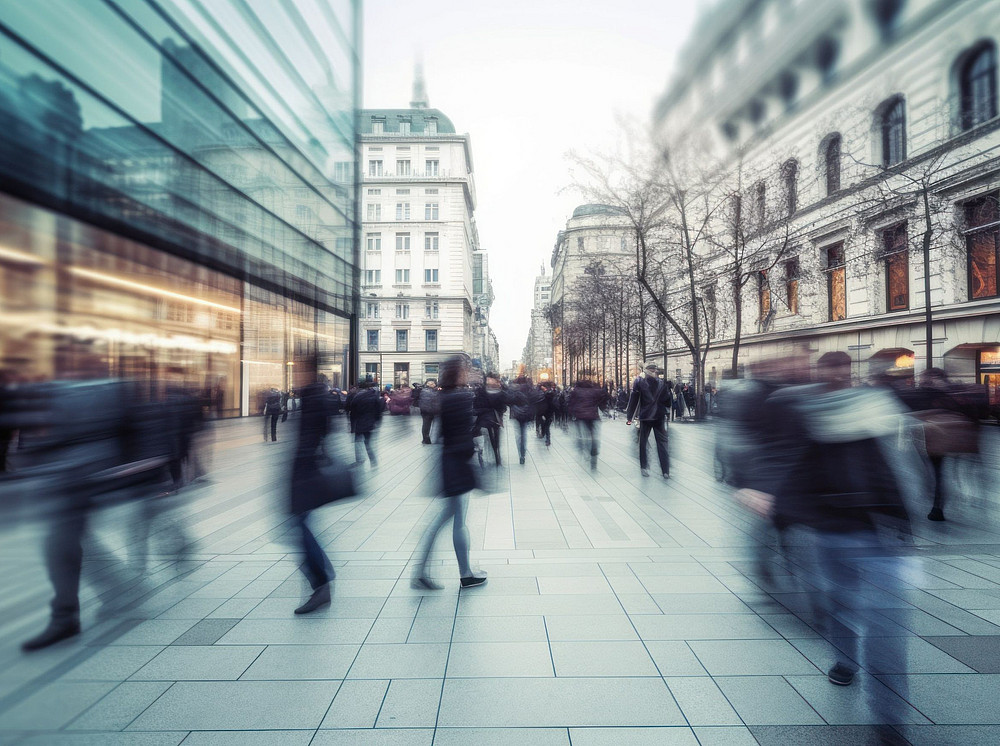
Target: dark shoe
(55, 632)
(936, 514)
(645, 472)
(425, 583)
(473, 580)
(840, 675)
(522, 459)
(426, 442)
(319, 599)
(666, 475)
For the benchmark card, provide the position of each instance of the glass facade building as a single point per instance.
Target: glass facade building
(177, 192)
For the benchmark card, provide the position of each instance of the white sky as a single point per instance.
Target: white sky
(529, 80)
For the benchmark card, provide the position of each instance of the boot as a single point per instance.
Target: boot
(55, 632)
(319, 599)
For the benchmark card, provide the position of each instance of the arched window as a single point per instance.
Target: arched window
(978, 86)
(831, 159)
(893, 126)
(789, 176)
(886, 14)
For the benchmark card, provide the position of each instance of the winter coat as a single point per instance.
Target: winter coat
(457, 420)
(524, 402)
(399, 401)
(273, 403)
(649, 401)
(314, 423)
(430, 401)
(365, 408)
(489, 407)
(586, 400)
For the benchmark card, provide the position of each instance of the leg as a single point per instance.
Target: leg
(359, 451)
(460, 534)
(370, 449)
(427, 541)
(937, 512)
(426, 430)
(274, 427)
(494, 432)
(660, 433)
(522, 426)
(64, 561)
(317, 567)
(644, 428)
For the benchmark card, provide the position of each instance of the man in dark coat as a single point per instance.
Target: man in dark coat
(586, 401)
(314, 425)
(489, 404)
(649, 401)
(429, 403)
(365, 408)
(273, 408)
(524, 404)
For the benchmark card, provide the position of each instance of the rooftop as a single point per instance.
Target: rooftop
(416, 117)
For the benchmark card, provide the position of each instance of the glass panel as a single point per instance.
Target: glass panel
(983, 264)
(897, 280)
(838, 294)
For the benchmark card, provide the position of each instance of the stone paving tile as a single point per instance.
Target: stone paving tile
(502, 737)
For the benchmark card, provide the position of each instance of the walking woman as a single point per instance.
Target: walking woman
(457, 475)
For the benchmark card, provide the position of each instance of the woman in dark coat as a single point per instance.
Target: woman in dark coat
(314, 424)
(457, 475)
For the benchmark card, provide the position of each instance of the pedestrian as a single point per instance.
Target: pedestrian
(677, 410)
(400, 400)
(490, 403)
(457, 476)
(314, 426)
(522, 411)
(586, 401)
(546, 410)
(430, 407)
(650, 401)
(365, 410)
(272, 410)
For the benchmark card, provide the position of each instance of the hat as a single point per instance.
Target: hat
(653, 367)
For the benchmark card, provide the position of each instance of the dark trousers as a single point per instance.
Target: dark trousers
(317, 567)
(659, 431)
(937, 463)
(426, 429)
(587, 438)
(546, 420)
(493, 431)
(274, 425)
(521, 434)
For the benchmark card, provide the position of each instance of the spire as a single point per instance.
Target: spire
(419, 88)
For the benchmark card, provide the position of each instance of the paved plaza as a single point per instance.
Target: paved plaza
(619, 610)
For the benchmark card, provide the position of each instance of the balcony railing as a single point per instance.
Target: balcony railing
(441, 174)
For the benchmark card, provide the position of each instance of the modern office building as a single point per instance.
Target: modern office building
(862, 137)
(425, 286)
(177, 196)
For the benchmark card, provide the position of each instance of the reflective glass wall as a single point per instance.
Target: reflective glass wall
(178, 191)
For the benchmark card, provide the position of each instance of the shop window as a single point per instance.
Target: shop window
(983, 246)
(836, 282)
(897, 273)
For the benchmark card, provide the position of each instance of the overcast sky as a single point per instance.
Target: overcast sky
(529, 80)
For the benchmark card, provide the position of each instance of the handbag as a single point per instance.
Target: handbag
(321, 486)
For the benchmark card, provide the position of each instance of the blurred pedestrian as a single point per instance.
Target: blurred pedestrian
(314, 426)
(365, 409)
(524, 403)
(489, 404)
(430, 407)
(457, 475)
(649, 402)
(272, 411)
(586, 401)
(546, 410)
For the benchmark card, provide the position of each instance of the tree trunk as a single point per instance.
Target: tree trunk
(738, 336)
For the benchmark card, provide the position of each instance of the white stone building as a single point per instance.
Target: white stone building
(417, 303)
(840, 116)
(596, 237)
(537, 354)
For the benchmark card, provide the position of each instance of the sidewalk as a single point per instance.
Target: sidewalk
(619, 610)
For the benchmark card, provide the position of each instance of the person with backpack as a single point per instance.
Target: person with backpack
(650, 401)
(429, 403)
(272, 410)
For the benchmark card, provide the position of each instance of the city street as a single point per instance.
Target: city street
(619, 610)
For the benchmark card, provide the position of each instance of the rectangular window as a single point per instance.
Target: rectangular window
(836, 282)
(375, 168)
(342, 172)
(373, 340)
(792, 285)
(431, 167)
(373, 277)
(402, 277)
(402, 192)
(402, 310)
(430, 191)
(579, 244)
(378, 126)
(402, 168)
(431, 309)
(431, 126)
(373, 242)
(402, 242)
(404, 127)
(402, 211)
(431, 369)
(431, 211)
(763, 294)
(431, 340)
(897, 269)
(371, 371)
(402, 339)
(430, 276)
(983, 246)
(431, 241)
(371, 310)
(374, 192)
(374, 213)
(710, 307)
